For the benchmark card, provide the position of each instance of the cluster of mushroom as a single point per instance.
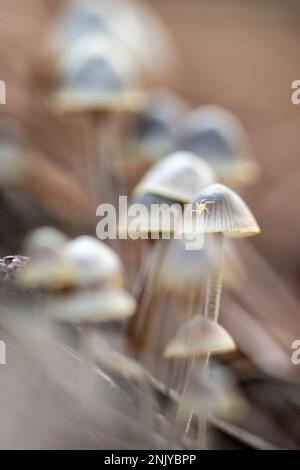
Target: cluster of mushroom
(216, 150)
(82, 278)
(166, 124)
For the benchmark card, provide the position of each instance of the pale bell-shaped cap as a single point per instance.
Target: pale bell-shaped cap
(45, 242)
(199, 337)
(218, 137)
(150, 216)
(219, 209)
(46, 269)
(92, 307)
(94, 261)
(50, 273)
(179, 176)
(157, 127)
(132, 23)
(96, 74)
(82, 262)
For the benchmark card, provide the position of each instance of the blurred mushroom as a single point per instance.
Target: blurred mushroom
(198, 337)
(155, 131)
(170, 183)
(227, 215)
(218, 137)
(79, 263)
(98, 79)
(178, 176)
(134, 24)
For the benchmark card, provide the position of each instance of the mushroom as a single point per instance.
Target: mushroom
(155, 131)
(57, 263)
(222, 212)
(96, 263)
(46, 268)
(98, 79)
(172, 181)
(197, 338)
(218, 137)
(178, 176)
(92, 307)
(134, 25)
(212, 393)
(83, 278)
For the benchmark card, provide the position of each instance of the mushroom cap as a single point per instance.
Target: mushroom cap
(95, 262)
(92, 306)
(82, 262)
(78, 19)
(45, 242)
(96, 74)
(199, 337)
(179, 176)
(157, 127)
(50, 273)
(218, 137)
(46, 267)
(227, 213)
(157, 215)
(132, 23)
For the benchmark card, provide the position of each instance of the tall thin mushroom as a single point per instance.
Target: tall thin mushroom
(173, 181)
(97, 79)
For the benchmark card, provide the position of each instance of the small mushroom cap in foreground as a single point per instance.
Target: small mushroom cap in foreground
(93, 306)
(46, 267)
(58, 263)
(199, 337)
(48, 274)
(220, 209)
(179, 176)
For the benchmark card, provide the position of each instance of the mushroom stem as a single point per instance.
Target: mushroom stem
(85, 347)
(180, 420)
(211, 312)
(214, 285)
(103, 137)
